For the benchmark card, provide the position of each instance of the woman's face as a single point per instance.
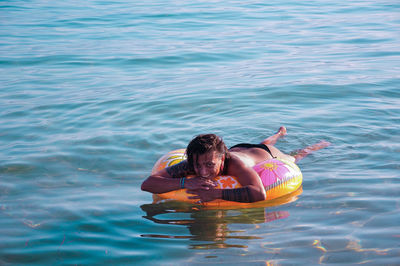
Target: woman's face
(208, 165)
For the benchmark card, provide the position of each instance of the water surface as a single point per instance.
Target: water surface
(93, 93)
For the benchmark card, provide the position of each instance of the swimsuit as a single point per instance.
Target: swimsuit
(249, 145)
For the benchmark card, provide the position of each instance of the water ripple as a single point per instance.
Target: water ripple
(93, 93)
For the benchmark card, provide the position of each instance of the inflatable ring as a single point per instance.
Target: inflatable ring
(279, 177)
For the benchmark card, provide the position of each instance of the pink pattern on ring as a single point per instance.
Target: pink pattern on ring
(271, 170)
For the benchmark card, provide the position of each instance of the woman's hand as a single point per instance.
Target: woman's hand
(199, 183)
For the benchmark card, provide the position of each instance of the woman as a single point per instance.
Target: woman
(208, 157)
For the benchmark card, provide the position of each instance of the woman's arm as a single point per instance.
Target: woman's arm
(170, 179)
(161, 182)
(252, 189)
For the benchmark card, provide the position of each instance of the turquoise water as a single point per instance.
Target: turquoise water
(92, 93)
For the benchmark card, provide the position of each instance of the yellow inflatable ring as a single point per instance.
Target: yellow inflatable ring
(279, 177)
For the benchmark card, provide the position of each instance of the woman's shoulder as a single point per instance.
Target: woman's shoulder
(180, 169)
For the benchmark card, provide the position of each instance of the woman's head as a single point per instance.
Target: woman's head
(206, 155)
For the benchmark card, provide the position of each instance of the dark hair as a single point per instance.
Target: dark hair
(205, 143)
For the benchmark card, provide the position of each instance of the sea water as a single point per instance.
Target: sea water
(93, 92)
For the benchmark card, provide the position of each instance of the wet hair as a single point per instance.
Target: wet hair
(205, 143)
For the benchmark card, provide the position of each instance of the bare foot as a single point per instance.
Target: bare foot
(306, 151)
(282, 131)
(274, 138)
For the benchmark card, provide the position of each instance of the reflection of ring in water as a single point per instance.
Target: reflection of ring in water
(208, 225)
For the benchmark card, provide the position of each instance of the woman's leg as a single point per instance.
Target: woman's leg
(297, 155)
(300, 154)
(274, 138)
